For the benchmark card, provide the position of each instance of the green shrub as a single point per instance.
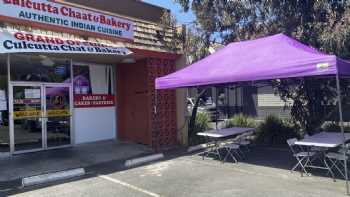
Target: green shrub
(275, 131)
(240, 120)
(202, 122)
(201, 125)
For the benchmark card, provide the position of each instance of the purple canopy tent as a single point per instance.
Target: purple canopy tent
(273, 57)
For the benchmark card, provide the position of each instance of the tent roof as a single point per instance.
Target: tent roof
(273, 57)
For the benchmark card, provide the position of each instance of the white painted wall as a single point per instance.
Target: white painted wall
(268, 98)
(94, 124)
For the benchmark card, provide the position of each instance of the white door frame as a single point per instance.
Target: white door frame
(43, 112)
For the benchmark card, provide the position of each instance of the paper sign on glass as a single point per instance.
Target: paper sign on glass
(32, 93)
(3, 101)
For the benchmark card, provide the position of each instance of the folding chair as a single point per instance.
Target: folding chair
(337, 159)
(243, 140)
(212, 149)
(303, 157)
(337, 162)
(317, 150)
(232, 150)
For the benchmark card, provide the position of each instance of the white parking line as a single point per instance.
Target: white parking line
(128, 185)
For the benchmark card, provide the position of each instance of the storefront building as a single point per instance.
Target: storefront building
(74, 72)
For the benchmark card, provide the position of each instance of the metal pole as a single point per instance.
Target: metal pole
(236, 100)
(228, 102)
(216, 108)
(342, 130)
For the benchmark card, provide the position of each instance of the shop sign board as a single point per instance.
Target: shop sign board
(93, 100)
(24, 42)
(61, 15)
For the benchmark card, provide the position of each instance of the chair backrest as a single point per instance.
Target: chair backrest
(347, 146)
(345, 149)
(238, 138)
(291, 141)
(291, 144)
(245, 135)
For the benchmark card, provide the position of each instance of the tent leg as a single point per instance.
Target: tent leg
(342, 130)
(216, 109)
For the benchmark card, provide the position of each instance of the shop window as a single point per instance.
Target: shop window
(93, 85)
(93, 79)
(39, 68)
(4, 114)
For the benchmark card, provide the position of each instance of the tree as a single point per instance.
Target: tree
(193, 42)
(323, 24)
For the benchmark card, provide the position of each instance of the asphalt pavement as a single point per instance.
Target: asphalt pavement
(189, 175)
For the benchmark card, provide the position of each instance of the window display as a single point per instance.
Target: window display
(93, 86)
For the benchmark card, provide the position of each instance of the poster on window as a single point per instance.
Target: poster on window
(81, 79)
(32, 93)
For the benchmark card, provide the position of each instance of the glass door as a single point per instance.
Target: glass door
(57, 119)
(26, 118)
(41, 117)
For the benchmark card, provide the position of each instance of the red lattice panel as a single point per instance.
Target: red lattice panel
(163, 123)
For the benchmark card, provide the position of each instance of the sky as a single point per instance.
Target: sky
(176, 10)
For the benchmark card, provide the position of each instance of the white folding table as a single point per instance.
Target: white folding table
(324, 140)
(223, 133)
(217, 134)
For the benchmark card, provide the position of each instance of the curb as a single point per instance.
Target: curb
(123, 164)
(51, 177)
(141, 160)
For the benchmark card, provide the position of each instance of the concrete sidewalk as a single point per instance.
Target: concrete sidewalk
(24, 165)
